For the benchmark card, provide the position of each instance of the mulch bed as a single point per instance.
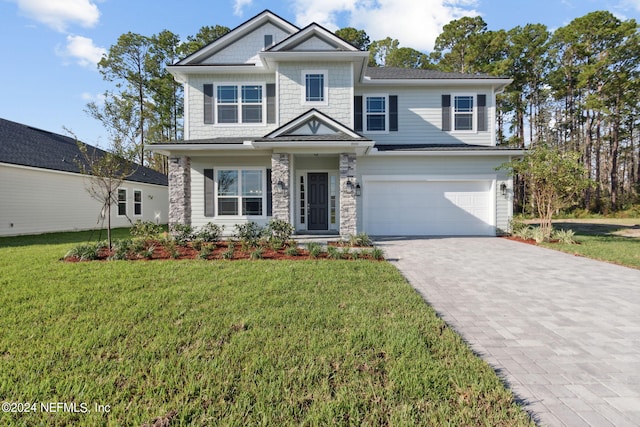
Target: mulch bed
(160, 252)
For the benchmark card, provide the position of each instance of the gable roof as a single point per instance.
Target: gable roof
(236, 34)
(313, 31)
(27, 146)
(314, 125)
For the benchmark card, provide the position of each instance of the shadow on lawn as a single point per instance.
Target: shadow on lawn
(600, 229)
(61, 238)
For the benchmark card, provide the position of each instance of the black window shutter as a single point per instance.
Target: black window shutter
(269, 194)
(482, 113)
(208, 193)
(446, 112)
(208, 103)
(393, 113)
(271, 102)
(357, 113)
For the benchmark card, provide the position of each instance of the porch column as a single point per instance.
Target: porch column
(348, 214)
(179, 190)
(280, 173)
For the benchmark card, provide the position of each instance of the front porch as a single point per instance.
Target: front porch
(315, 193)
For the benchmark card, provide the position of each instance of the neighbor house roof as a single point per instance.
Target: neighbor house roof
(27, 146)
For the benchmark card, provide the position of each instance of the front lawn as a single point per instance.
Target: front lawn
(612, 240)
(230, 343)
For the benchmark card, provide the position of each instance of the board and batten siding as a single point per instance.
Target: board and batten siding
(34, 201)
(441, 166)
(198, 165)
(420, 116)
(198, 129)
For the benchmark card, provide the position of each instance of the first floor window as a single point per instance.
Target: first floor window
(463, 112)
(137, 202)
(122, 201)
(240, 192)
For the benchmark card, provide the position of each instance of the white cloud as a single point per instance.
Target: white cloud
(82, 50)
(58, 14)
(239, 5)
(89, 97)
(415, 23)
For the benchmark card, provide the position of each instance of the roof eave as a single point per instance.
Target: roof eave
(498, 84)
(449, 152)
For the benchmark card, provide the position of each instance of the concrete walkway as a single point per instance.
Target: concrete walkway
(564, 331)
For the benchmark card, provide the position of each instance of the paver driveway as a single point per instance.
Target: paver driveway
(563, 330)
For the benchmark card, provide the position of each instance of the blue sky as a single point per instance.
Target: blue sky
(49, 47)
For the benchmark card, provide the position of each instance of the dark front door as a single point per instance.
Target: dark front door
(318, 214)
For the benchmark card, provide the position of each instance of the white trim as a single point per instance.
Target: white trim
(141, 214)
(306, 117)
(445, 152)
(126, 202)
(386, 113)
(325, 87)
(239, 197)
(239, 104)
(474, 112)
(499, 84)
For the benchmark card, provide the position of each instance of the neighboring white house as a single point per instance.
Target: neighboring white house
(290, 123)
(41, 189)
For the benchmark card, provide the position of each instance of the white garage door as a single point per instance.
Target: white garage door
(429, 208)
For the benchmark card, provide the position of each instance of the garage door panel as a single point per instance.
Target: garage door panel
(429, 208)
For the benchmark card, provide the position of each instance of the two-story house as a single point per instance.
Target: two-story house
(290, 123)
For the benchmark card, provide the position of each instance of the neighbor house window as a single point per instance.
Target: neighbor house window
(463, 112)
(240, 192)
(239, 104)
(315, 87)
(122, 201)
(137, 202)
(376, 113)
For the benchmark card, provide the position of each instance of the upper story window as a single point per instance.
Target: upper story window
(463, 112)
(376, 113)
(239, 104)
(268, 41)
(315, 87)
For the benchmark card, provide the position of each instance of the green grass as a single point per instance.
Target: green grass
(231, 343)
(602, 241)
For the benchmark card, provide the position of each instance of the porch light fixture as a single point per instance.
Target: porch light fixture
(349, 186)
(280, 186)
(358, 190)
(503, 189)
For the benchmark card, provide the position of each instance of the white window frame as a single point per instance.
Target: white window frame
(137, 190)
(239, 104)
(474, 113)
(365, 124)
(239, 197)
(325, 87)
(126, 199)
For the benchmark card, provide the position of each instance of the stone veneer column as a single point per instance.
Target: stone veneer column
(348, 212)
(280, 173)
(179, 190)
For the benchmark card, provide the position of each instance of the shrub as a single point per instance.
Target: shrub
(565, 236)
(539, 235)
(182, 233)
(138, 246)
(516, 226)
(346, 252)
(377, 254)
(148, 253)
(257, 254)
(279, 230)
(314, 249)
(248, 233)
(360, 239)
(229, 253)
(197, 244)
(525, 233)
(170, 246)
(333, 252)
(146, 230)
(86, 252)
(121, 249)
(276, 244)
(292, 251)
(209, 232)
(205, 252)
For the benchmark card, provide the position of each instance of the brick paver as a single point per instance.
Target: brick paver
(563, 330)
